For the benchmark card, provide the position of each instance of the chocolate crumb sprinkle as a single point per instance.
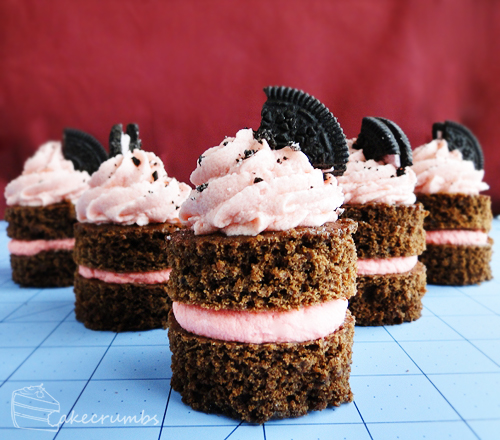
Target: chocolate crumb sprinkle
(257, 180)
(202, 187)
(155, 176)
(249, 153)
(200, 159)
(136, 161)
(177, 207)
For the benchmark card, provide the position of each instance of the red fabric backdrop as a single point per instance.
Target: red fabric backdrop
(192, 72)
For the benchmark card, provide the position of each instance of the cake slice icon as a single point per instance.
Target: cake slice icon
(31, 408)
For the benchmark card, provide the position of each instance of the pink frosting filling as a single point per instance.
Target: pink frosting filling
(154, 277)
(385, 266)
(244, 188)
(440, 170)
(457, 237)
(132, 188)
(366, 181)
(305, 324)
(32, 247)
(47, 178)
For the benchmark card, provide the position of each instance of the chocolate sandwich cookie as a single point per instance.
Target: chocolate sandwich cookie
(291, 117)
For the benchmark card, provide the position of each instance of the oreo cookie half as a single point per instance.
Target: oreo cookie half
(291, 117)
(83, 150)
(460, 138)
(382, 139)
(116, 146)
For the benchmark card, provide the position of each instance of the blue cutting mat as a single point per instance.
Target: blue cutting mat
(436, 378)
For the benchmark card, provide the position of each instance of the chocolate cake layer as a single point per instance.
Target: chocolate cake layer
(386, 231)
(273, 270)
(389, 299)
(41, 222)
(120, 307)
(457, 265)
(45, 269)
(259, 382)
(457, 211)
(120, 248)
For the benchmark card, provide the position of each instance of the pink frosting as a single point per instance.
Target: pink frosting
(439, 170)
(305, 324)
(33, 247)
(244, 187)
(132, 188)
(153, 277)
(367, 181)
(47, 178)
(457, 236)
(384, 266)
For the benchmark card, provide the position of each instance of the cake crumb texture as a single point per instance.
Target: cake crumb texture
(120, 248)
(457, 265)
(457, 211)
(121, 307)
(259, 382)
(387, 231)
(273, 270)
(41, 222)
(45, 269)
(389, 299)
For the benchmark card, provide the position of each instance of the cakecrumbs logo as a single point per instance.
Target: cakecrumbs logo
(31, 408)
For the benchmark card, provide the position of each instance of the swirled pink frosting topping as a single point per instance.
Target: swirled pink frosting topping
(440, 170)
(244, 188)
(47, 178)
(132, 188)
(367, 181)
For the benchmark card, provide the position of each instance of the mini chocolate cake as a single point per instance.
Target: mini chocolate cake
(450, 177)
(40, 209)
(50, 268)
(388, 231)
(126, 218)
(379, 185)
(270, 271)
(457, 265)
(119, 249)
(259, 327)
